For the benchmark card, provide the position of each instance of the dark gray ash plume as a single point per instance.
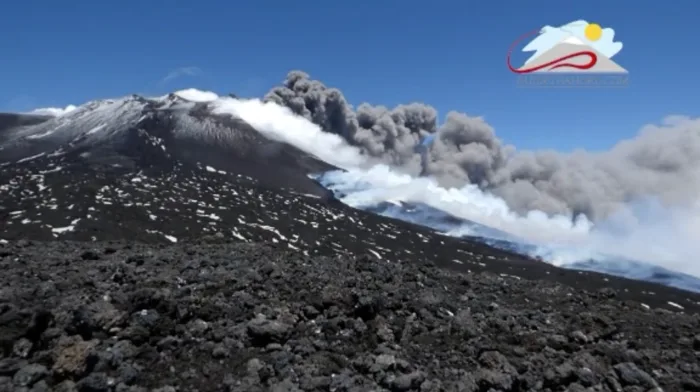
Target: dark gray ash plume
(662, 161)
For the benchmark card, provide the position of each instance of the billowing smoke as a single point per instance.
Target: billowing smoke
(391, 135)
(662, 161)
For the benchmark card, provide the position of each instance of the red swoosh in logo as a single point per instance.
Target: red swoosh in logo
(556, 63)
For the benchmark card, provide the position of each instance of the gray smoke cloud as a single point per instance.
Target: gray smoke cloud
(662, 161)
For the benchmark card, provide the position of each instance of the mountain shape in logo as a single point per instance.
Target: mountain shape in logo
(565, 48)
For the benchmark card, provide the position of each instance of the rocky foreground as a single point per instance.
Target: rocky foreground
(112, 316)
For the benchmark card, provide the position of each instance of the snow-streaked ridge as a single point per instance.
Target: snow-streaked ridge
(90, 119)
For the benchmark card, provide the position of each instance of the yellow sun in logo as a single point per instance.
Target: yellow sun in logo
(593, 31)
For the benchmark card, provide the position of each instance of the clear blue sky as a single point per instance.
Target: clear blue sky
(447, 53)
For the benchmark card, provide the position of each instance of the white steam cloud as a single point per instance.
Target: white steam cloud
(469, 202)
(279, 123)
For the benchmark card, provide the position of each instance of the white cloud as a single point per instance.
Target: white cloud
(180, 72)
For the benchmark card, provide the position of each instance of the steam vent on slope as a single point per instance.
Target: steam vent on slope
(193, 242)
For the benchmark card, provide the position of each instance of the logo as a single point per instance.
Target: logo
(577, 54)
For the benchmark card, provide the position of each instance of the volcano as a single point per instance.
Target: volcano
(171, 169)
(164, 134)
(159, 243)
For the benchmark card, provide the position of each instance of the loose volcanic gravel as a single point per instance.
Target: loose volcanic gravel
(112, 316)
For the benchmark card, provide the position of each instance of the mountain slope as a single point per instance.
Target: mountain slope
(168, 170)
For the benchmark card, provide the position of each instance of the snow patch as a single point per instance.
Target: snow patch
(96, 129)
(59, 230)
(32, 157)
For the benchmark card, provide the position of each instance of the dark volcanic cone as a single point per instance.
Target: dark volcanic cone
(156, 135)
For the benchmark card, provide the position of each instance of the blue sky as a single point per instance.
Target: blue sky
(450, 54)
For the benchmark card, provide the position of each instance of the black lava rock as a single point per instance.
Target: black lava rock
(253, 317)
